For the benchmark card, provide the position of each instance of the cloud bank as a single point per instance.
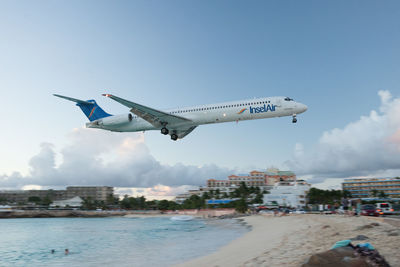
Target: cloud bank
(367, 147)
(103, 158)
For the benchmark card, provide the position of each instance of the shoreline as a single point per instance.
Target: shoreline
(291, 240)
(202, 213)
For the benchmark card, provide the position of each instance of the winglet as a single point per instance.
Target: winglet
(107, 95)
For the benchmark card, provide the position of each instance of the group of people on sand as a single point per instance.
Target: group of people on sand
(66, 251)
(351, 208)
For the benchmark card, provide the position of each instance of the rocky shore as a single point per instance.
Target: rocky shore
(69, 213)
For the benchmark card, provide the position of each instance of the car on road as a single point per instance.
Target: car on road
(369, 210)
(384, 208)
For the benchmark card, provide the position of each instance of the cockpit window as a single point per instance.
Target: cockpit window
(288, 99)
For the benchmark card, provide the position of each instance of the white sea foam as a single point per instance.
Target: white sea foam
(182, 218)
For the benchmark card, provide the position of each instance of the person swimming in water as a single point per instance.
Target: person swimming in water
(66, 251)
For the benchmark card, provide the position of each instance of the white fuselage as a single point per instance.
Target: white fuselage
(251, 109)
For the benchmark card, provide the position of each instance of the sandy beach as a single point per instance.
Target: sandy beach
(291, 240)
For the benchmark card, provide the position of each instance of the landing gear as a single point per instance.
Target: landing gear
(164, 131)
(174, 137)
(294, 120)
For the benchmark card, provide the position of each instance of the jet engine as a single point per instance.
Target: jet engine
(117, 120)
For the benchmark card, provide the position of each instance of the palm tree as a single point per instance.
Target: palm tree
(374, 192)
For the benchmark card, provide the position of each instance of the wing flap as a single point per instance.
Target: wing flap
(183, 133)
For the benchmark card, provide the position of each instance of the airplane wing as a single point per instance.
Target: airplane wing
(156, 117)
(183, 133)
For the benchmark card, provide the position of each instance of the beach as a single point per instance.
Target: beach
(291, 240)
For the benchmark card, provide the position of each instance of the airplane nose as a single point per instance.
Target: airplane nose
(303, 108)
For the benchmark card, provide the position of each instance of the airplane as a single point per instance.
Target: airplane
(180, 122)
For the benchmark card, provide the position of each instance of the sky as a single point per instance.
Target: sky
(340, 58)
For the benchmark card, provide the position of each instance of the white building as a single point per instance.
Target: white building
(75, 202)
(289, 194)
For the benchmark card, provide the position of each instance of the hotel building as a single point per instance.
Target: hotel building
(263, 180)
(290, 194)
(364, 187)
(99, 193)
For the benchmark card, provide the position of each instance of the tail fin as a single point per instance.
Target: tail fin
(90, 108)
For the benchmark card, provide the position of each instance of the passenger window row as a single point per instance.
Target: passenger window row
(218, 107)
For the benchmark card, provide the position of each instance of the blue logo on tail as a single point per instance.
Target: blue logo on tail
(93, 111)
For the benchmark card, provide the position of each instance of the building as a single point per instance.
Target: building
(288, 193)
(367, 187)
(182, 197)
(75, 202)
(263, 180)
(99, 193)
(273, 175)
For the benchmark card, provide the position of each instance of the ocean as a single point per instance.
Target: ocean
(112, 241)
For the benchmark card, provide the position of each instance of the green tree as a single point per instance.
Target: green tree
(206, 195)
(194, 202)
(163, 204)
(382, 194)
(319, 196)
(46, 201)
(346, 194)
(142, 202)
(172, 205)
(35, 199)
(374, 192)
(241, 205)
(259, 198)
(88, 204)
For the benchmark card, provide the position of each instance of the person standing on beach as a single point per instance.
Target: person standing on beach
(345, 204)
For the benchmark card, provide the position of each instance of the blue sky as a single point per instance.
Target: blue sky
(333, 56)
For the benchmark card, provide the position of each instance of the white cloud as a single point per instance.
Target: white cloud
(369, 146)
(96, 157)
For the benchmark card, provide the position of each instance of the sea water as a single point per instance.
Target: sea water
(115, 241)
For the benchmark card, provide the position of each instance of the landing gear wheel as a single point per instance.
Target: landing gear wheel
(294, 118)
(164, 131)
(174, 137)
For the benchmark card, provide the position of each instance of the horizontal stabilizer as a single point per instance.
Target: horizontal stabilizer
(90, 108)
(74, 100)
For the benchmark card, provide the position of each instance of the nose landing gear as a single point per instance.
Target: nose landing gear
(294, 120)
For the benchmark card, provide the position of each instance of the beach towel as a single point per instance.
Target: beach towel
(341, 243)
